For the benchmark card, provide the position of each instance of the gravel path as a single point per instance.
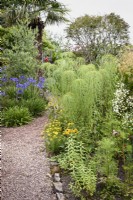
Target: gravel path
(25, 167)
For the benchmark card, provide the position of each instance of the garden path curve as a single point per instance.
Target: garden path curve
(25, 167)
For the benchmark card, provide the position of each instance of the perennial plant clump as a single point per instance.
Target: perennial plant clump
(56, 133)
(74, 160)
(54, 137)
(16, 116)
(21, 84)
(120, 100)
(123, 105)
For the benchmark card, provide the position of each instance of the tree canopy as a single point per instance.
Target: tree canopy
(36, 13)
(14, 10)
(98, 35)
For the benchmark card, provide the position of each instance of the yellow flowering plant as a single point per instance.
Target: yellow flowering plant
(70, 129)
(56, 132)
(54, 137)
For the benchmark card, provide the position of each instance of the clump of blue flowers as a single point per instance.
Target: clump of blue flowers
(21, 83)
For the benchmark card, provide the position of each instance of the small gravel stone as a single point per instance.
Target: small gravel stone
(60, 196)
(58, 186)
(56, 177)
(53, 163)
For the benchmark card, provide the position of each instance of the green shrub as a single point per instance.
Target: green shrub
(48, 68)
(20, 51)
(83, 69)
(7, 103)
(11, 91)
(68, 54)
(30, 93)
(16, 116)
(36, 106)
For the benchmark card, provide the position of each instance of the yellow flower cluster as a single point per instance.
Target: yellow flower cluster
(53, 129)
(68, 131)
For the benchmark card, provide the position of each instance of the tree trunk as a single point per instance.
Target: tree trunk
(37, 23)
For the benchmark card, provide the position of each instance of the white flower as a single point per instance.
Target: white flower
(123, 105)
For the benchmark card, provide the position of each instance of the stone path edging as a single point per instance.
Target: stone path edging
(57, 184)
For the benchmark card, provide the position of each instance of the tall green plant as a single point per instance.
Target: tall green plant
(21, 51)
(105, 153)
(83, 69)
(85, 91)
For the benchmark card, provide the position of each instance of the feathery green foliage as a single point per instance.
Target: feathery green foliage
(83, 69)
(84, 90)
(105, 162)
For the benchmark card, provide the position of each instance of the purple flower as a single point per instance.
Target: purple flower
(42, 79)
(40, 85)
(22, 77)
(26, 84)
(14, 79)
(2, 93)
(4, 79)
(20, 92)
(31, 80)
(19, 85)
